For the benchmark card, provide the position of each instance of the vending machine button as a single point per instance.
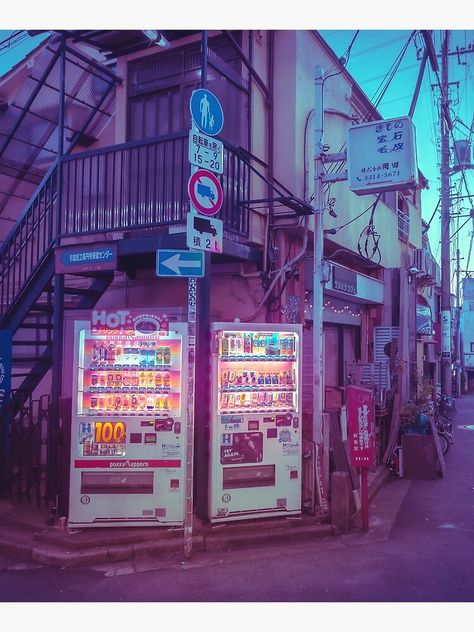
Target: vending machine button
(293, 474)
(174, 483)
(296, 422)
(272, 433)
(177, 427)
(253, 424)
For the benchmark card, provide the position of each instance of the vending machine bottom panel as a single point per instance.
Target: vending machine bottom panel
(117, 483)
(128, 498)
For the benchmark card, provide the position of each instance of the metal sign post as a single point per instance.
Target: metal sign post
(188, 509)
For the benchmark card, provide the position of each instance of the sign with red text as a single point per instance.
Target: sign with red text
(361, 431)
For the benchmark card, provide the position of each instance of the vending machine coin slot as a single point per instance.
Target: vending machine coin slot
(253, 424)
(135, 437)
(150, 437)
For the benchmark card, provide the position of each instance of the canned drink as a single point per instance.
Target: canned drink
(151, 379)
(167, 355)
(158, 379)
(94, 379)
(102, 379)
(93, 402)
(101, 403)
(166, 379)
(126, 379)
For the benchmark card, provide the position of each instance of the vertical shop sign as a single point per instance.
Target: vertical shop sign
(360, 416)
(5, 394)
(5, 369)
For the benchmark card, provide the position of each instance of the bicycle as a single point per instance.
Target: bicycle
(444, 412)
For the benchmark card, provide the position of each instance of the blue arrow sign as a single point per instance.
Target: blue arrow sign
(206, 111)
(179, 263)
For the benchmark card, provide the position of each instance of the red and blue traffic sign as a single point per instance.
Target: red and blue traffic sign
(205, 192)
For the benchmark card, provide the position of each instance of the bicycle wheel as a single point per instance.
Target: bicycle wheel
(443, 440)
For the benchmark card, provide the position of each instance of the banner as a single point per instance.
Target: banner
(360, 417)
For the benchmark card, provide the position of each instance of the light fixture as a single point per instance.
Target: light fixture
(157, 37)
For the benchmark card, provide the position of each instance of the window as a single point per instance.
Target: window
(471, 306)
(472, 347)
(160, 86)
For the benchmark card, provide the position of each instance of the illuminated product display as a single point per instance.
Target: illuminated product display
(255, 464)
(128, 430)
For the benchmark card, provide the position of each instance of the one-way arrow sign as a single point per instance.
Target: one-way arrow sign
(179, 263)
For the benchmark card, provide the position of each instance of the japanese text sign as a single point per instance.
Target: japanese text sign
(381, 156)
(86, 258)
(360, 417)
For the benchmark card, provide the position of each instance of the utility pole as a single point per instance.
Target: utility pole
(457, 340)
(446, 368)
(318, 244)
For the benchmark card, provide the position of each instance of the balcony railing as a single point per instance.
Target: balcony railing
(143, 185)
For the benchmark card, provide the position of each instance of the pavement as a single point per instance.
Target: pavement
(25, 534)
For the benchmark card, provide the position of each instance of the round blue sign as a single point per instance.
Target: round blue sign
(206, 111)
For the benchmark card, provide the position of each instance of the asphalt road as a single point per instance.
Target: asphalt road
(420, 548)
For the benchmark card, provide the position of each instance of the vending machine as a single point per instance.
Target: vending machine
(256, 434)
(128, 432)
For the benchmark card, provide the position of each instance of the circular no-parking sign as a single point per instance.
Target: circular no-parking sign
(205, 192)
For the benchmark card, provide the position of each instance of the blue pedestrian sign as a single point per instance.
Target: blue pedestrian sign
(179, 263)
(206, 111)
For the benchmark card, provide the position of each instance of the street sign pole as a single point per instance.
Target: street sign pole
(203, 352)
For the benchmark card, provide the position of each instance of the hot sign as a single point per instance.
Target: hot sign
(360, 416)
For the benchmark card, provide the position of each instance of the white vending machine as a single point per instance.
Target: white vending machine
(256, 434)
(128, 432)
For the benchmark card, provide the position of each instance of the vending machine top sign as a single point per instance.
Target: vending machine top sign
(206, 111)
(381, 156)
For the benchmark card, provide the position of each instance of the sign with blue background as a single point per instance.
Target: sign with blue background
(179, 263)
(5, 395)
(206, 111)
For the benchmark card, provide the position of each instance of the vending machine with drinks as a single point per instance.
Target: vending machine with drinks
(128, 431)
(256, 434)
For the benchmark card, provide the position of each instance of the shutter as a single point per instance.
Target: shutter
(331, 356)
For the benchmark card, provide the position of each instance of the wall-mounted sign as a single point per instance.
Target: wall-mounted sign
(381, 156)
(344, 280)
(86, 258)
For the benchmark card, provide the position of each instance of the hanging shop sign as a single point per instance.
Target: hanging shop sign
(381, 156)
(86, 258)
(360, 417)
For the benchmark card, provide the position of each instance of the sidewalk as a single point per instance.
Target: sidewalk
(24, 535)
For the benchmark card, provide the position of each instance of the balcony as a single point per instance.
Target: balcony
(428, 269)
(143, 185)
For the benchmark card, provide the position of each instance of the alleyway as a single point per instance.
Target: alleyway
(420, 548)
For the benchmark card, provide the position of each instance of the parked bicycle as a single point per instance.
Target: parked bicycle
(444, 413)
